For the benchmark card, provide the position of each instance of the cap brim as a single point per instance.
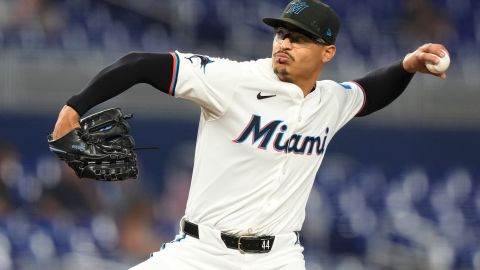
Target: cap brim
(289, 23)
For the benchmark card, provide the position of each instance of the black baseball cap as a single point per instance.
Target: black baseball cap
(311, 17)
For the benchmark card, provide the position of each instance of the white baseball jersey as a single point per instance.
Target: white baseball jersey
(260, 141)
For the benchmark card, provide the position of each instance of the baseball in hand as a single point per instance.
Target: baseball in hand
(442, 65)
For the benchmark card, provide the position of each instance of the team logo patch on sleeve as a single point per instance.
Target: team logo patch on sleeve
(204, 60)
(346, 86)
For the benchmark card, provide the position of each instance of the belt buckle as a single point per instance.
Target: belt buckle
(240, 243)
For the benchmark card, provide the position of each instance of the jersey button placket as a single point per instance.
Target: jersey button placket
(295, 127)
(299, 118)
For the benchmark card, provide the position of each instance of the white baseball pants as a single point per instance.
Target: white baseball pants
(210, 253)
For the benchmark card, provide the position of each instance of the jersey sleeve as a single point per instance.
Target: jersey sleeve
(207, 81)
(351, 98)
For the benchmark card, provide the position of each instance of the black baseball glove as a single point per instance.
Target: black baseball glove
(101, 148)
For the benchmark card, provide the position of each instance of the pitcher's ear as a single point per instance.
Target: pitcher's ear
(329, 53)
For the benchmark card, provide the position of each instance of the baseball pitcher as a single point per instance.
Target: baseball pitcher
(270, 122)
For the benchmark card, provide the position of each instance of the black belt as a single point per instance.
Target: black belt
(247, 244)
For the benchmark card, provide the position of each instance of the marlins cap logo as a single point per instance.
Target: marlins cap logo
(297, 7)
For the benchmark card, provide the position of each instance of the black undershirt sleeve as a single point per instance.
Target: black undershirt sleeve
(383, 86)
(154, 69)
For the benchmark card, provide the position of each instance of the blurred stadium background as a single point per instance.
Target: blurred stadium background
(397, 190)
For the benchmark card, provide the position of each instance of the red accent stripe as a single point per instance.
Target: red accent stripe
(174, 69)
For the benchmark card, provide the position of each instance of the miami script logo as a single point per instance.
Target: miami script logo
(296, 143)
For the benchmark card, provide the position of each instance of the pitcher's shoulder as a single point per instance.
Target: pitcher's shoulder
(337, 86)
